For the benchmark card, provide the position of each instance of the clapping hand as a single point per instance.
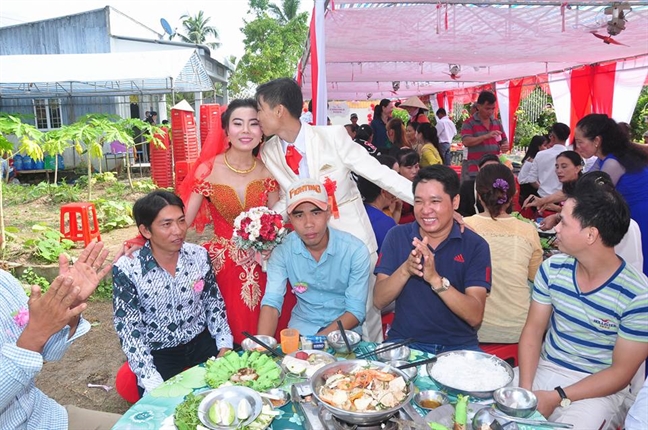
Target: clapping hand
(50, 312)
(428, 267)
(87, 270)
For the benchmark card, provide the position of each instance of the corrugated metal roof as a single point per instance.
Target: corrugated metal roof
(113, 74)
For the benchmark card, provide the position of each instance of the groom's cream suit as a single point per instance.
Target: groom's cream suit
(331, 154)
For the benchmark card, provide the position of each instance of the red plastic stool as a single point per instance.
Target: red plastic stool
(83, 210)
(387, 320)
(126, 384)
(506, 351)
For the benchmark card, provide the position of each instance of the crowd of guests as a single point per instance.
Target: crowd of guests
(377, 227)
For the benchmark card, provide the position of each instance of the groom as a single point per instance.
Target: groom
(328, 155)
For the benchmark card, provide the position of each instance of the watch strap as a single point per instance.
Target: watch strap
(445, 285)
(564, 400)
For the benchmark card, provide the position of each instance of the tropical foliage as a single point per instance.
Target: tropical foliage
(274, 41)
(197, 30)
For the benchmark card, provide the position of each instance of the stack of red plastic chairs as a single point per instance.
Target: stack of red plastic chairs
(185, 142)
(161, 163)
(210, 123)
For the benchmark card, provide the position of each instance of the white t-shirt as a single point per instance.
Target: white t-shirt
(446, 130)
(543, 171)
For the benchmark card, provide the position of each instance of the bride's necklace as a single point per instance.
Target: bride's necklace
(235, 170)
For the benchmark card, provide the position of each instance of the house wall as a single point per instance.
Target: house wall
(73, 34)
(90, 32)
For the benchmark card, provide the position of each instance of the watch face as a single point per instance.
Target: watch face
(565, 402)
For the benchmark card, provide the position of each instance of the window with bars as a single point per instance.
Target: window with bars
(47, 113)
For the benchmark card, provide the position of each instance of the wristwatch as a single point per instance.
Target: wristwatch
(564, 400)
(445, 284)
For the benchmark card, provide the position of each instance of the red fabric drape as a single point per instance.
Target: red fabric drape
(581, 94)
(450, 96)
(515, 94)
(602, 88)
(441, 100)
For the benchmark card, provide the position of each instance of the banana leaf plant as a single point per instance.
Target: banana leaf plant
(29, 138)
(130, 127)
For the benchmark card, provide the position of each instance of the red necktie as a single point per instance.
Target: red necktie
(293, 158)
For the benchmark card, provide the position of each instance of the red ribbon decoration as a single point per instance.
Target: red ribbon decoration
(330, 187)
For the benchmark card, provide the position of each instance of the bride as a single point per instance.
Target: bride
(228, 179)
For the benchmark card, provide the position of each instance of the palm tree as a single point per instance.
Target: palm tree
(288, 10)
(197, 30)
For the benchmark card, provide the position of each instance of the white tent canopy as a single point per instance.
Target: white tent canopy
(112, 74)
(372, 44)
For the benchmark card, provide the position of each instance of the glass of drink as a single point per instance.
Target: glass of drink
(289, 340)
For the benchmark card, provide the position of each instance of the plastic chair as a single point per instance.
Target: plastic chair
(126, 384)
(506, 351)
(88, 231)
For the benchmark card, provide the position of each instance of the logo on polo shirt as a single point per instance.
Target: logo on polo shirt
(459, 258)
(605, 324)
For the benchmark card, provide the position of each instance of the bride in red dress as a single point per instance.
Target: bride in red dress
(228, 179)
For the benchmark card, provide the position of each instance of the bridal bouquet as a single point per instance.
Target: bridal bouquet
(259, 228)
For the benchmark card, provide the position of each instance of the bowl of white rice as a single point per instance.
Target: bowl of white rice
(469, 372)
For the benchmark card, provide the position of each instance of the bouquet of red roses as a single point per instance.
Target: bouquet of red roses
(259, 228)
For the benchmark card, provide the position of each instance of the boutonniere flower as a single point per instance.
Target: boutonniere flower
(199, 285)
(300, 287)
(331, 187)
(21, 317)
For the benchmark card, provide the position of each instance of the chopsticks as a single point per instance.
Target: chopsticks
(417, 363)
(344, 336)
(273, 351)
(386, 348)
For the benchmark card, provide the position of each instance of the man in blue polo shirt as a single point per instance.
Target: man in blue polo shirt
(439, 276)
(328, 269)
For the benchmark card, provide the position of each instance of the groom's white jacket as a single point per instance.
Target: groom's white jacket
(331, 153)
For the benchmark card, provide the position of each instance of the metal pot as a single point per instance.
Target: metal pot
(364, 418)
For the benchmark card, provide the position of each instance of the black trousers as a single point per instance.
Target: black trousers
(171, 361)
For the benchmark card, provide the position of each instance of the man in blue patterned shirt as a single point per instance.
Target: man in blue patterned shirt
(39, 329)
(596, 308)
(169, 312)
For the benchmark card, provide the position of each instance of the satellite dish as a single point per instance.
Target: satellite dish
(166, 26)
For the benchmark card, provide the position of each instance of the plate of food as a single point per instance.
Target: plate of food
(305, 363)
(361, 391)
(251, 369)
(470, 372)
(186, 414)
(230, 407)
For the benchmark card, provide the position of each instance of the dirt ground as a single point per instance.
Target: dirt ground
(95, 357)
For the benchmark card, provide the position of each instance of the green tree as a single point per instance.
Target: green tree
(29, 138)
(273, 45)
(286, 13)
(197, 30)
(638, 124)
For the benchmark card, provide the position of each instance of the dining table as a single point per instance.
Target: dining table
(155, 410)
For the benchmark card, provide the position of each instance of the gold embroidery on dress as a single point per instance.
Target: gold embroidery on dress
(250, 289)
(216, 249)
